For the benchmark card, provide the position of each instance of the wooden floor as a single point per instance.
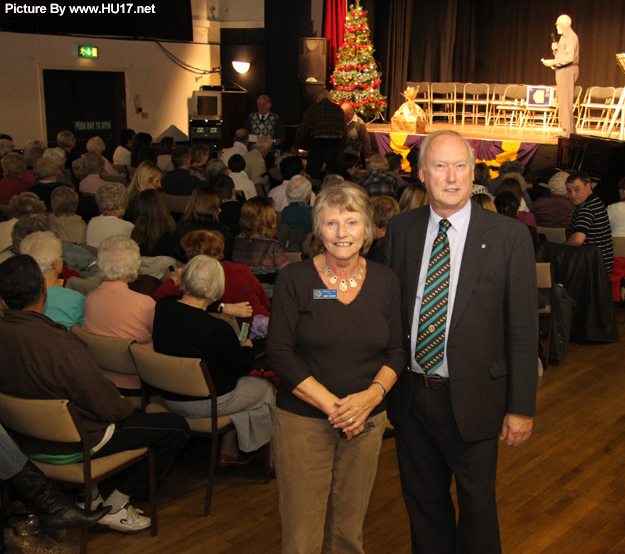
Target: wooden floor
(562, 492)
(500, 132)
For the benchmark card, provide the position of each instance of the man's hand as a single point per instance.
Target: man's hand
(242, 310)
(548, 63)
(516, 429)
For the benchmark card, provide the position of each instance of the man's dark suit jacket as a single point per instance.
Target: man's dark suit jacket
(492, 345)
(180, 182)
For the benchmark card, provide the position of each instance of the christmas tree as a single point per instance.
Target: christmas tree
(356, 78)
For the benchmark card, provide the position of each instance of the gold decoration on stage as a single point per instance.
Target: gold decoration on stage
(409, 118)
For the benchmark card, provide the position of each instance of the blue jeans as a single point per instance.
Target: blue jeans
(11, 458)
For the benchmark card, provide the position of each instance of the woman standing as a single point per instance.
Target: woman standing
(335, 342)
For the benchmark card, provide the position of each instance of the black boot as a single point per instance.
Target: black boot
(54, 511)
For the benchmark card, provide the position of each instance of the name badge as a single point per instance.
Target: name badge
(326, 294)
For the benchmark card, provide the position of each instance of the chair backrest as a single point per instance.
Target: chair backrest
(553, 234)
(42, 419)
(617, 95)
(476, 88)
(186, 376)
(110, 353)
(120, 168)
(115, 178)
(516, 92)
(543, 275)
(176, 204)
(601, 94)
(619, 247)
(424, 88)
(443, 88)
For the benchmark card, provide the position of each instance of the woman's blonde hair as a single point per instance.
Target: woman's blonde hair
(343, 197)
(146, 172)
(258, 218)
(414, 196)
(204, 204)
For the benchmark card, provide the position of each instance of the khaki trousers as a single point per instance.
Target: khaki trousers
(318, 471)
(565, 79)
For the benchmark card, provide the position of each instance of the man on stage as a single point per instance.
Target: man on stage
(566, 66)
(470, 319)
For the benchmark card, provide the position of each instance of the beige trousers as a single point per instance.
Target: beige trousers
(318, 471)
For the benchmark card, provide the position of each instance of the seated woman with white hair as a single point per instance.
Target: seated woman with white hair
(113, 310)
(62, 305)
(183, 328)
(111, 200)
(92, 165)
(72, 228)
(97, 146)
(298, 214)
(24, 204)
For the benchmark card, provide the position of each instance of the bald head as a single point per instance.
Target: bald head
(563, 23)
(348, 110)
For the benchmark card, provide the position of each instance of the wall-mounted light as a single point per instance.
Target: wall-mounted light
(241, 67)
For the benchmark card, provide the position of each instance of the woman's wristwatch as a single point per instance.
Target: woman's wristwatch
(220, 308)
(381, 388)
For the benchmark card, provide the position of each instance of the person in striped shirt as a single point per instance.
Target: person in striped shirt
(590, 223)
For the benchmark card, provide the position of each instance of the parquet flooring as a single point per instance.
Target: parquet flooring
(563, 492)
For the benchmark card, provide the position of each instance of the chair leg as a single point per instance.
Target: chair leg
(152, 479)
(211, 475)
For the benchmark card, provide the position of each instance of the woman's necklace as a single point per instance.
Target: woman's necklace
(343, 284)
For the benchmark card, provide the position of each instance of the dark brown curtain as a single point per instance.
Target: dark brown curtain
(490, 41)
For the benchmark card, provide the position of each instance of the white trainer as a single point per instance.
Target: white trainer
(126, 520)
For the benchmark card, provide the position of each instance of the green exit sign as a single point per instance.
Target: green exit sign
(87, 51)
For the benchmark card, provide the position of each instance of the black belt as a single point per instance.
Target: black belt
(434, 382)
(329, 136)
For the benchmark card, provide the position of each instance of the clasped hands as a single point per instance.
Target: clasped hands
(351, 412)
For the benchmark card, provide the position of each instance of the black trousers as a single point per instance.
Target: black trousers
(165, 433)
(430, 450)
(323, 151)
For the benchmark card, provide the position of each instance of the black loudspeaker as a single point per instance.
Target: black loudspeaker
(308, 96)
(313, 60)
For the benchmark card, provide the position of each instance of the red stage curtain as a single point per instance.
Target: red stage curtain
(335, 14)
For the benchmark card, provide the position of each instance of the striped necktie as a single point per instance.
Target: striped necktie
(430, 348)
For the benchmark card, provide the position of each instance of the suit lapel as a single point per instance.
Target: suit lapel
(475, 251)
(414, 254)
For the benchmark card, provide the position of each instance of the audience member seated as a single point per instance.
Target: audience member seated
(298, 214)
(60, 367)
(200, 153)
(510, 184)
(6, 147)
(255, 165)
(347, 166)
(358, 141)
(289, 167)
(414, 196)
(481, 179)
(72, 228)
(93, 166)
(616, 212)
(241, 142)
(556, 209)
(147, 176)
(57, 156)
(111, 200)
(256, 246)
(394, 163)
(33, 151)
(154, 228)
(264, 122)
(123, 152)
(244, 297)
(47, 175)
(230, 205)
(509, 166)
(113, 310)
(484, 200)
(590, 223)
(331, 179)
(146, 154)
(236, 165)
(202, 212)
(24, 204)
(63, 306)
(507, 203)
(165, 149)
(67, 142)
(377, 181)
(180, 182)
(214, 169)
(413, 159)
(141, 141)
(384, 208)
(97, 146)
(13, 183)
(183, 328)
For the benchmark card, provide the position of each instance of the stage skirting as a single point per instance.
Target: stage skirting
(492, 152)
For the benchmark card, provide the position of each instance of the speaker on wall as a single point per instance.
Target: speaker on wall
(313, 60)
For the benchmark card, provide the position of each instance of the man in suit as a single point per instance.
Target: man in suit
(473, 374)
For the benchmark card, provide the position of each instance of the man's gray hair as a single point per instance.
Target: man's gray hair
(119, 258)
(44, 168)
(64, 201)
(45, 247)
(92, 163)
(96, 144)
(29, 224)
(426, 143)
(203, 277)
(298, 189)
(263, 143)
(57, 155)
